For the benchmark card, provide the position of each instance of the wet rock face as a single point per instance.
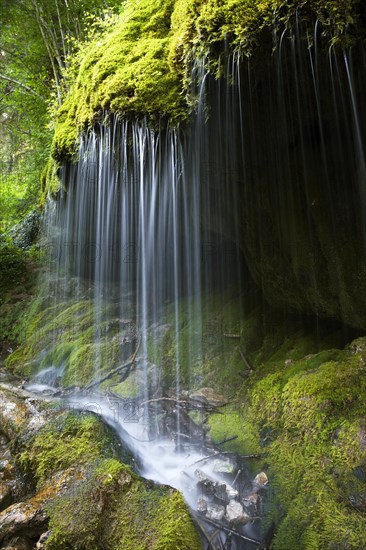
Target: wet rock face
(215, 512)
(25, 233)
(19, 543)
(10, 482)
(22, 519)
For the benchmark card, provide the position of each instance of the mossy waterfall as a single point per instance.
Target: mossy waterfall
(185, 261)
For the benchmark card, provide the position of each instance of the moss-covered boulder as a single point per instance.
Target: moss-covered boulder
(309, 414)
(78, 488)
(141, 67)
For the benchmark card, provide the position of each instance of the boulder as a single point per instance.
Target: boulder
(235, 513)
(215, 512)
(22, 519)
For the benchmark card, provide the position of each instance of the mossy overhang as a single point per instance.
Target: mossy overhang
(142, 66)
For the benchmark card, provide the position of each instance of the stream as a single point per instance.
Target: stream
(225, 502)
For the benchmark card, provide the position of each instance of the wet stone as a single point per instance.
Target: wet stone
(19, 543)
(209, 396)
(261, 479)
(250, 503)
(201, 505)
(235, 513)
(21, 519)
(215, 512)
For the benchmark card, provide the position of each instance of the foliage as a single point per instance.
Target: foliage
(141, 66)
(17, 268)
(33, 66)
(310, 417)
(12, 268)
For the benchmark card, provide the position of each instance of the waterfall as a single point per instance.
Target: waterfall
(264, 188)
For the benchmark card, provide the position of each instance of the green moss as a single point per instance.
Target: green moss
(310, 417)
(128, 388)
(126, 71)
(17, 278)
(13, 269)
(115, 509)
(87, 345)
(233, 423)
(50, 181)
(71, 440)
(141, 66)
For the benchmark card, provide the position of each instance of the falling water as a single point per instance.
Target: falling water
(152, 222)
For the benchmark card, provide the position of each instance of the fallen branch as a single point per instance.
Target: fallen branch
(245, 361)
(117, 370)
(227, 440)
(228, 530)
(224, 453)
(191, 404)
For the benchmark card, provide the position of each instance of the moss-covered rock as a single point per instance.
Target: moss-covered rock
(116, 509)
(309, 414)
(140, 67)
(78, 487)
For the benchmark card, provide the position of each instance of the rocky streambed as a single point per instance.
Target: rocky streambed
(67, 481)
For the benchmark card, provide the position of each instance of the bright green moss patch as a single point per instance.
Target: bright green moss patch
(141, 66)
(115, 509)
(233, 423)
(126, 72)
(50, 176)
(310, 417)
(71, 440)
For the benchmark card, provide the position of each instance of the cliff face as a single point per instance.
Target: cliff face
(290, 139)
(291, 109)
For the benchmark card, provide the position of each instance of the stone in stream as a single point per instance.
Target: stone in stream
(235, 513)
(201, 505)
(207, 395)
(215, 512)
(261, 479)
(211, 486)
(250, 503)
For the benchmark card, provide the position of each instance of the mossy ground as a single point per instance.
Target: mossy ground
(296, 394)
(310, 417)
(115, 509)
(18, 269)
(102, 503)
